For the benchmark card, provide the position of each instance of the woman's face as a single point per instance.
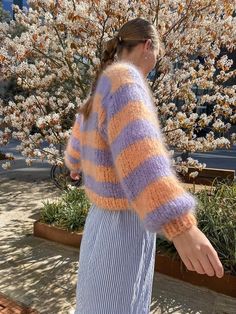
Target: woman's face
(150, 55)
(144, 55)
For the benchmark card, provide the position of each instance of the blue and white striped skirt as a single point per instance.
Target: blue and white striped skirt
(116, 264)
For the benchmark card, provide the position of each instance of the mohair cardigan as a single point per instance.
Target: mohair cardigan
(124, 161)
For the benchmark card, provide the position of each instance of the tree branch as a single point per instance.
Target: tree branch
(178, 23)
(74, 4)
(46, 56)
(157, 13)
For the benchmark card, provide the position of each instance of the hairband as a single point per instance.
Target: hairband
(118, 38)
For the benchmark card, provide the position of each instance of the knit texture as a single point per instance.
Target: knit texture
(121, 153)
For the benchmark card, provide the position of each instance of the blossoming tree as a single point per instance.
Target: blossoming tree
(54, 49)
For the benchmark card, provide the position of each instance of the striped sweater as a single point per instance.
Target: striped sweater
(120, 151)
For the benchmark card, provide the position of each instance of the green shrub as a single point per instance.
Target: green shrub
(217, 220)
(69, 212)
(50, 211)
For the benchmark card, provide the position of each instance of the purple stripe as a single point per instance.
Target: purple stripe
(104, 83)
(103, 86)
(71, 159)
(135, 74)
(105, 189)
(126, 93)
(135, 131)
(91, 123)
(97, 156)
(75, 144)
(149, 171)
(171, 210)
(78, 118)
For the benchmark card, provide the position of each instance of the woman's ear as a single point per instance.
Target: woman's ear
(148, 45)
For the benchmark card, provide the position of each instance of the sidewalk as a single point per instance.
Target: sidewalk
(42, 274)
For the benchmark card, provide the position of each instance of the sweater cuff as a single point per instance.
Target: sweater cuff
(179, 225)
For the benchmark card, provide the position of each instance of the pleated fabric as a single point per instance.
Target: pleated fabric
(116, 264)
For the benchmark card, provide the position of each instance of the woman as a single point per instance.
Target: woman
(117, 143)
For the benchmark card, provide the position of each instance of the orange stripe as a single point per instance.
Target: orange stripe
(157, 194)
(131, 112)
(119, 75)
(109, 203)
(178, 225)
(136, 153)
(71, 166)
(92, 139)
(72, 152)
(76, 129)
(99, 173)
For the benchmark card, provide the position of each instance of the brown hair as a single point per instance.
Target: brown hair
(130, 35)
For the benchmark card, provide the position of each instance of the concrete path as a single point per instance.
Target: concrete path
(42, 274)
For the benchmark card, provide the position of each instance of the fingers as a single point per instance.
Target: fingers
(187, 263)
(206, 265)
(216, 263)
(201, 264)
(74, 176)
(197, 253)
(191, 267)
(198, 266)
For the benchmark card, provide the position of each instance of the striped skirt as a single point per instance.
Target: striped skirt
(116, 264)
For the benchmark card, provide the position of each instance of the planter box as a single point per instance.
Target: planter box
(56, 234)
(208, 175)
(176, 269)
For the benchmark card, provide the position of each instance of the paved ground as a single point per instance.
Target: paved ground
(221, 159)
(42, 274)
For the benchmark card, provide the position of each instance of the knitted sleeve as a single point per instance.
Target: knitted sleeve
(140, 157)
(72, 151)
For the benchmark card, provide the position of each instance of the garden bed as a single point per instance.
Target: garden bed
(63, 221)
(56, 234)
(208, 176)
(175, 268)
(216, 217)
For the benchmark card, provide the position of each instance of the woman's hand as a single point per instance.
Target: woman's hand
(74, 175)
(197, 253)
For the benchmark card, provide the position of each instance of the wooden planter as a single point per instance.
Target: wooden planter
(176, 269)
(208, 175)
(56, 234)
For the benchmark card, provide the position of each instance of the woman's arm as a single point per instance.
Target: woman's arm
(141, 159)
(72, 151)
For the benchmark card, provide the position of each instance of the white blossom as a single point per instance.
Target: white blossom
(6, 165)
(58, 52)
(193, 174)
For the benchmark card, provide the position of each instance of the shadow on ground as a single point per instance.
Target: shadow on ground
(36, 272)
